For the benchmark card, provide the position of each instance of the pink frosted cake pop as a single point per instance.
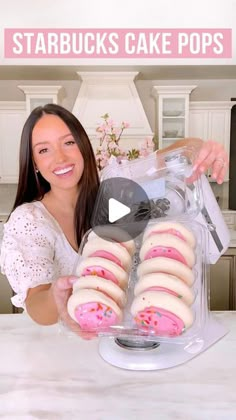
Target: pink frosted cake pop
(114, 234)
(163, 294)
(161, 313)
(166, 283)
(98, 295)
(174, 228)
(93, 310)
(100, 284)
(102, 267)
(168, 246)
(98, 247)
(168, 266)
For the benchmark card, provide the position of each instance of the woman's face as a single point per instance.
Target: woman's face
(55, 153)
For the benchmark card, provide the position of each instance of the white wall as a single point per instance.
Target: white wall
(113, 14)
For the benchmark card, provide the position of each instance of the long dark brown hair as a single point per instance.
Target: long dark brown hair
(32, 186)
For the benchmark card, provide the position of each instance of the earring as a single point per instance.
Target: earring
(36, 170)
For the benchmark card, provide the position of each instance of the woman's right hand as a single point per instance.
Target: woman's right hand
(61, 290)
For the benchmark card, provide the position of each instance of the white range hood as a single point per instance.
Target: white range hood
(114, 93)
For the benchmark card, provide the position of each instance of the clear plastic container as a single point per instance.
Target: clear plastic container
(174, 199)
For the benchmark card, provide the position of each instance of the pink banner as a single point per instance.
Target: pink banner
(118, 43)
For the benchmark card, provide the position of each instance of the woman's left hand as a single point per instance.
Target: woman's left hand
(211, 155)
(61, 290)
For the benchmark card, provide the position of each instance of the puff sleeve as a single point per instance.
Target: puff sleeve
(27, 251)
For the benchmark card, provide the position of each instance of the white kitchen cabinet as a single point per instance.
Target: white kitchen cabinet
(39, 95)
(223, 282)
(172, 113)
(12, 119)
(230, 218)
(211, 121)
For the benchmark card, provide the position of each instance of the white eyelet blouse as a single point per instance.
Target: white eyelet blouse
(34, 250)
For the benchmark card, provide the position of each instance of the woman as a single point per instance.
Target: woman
(58, 184)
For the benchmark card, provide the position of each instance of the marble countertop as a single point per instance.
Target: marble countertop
(47, 375)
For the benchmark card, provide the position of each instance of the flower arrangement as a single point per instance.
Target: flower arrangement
(109, 148)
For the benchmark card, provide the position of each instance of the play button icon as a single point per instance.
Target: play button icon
(121, 203)
(116, 210)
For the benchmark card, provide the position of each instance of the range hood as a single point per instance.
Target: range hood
(114, 93)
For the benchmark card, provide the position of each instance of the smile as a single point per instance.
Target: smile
(63, 171)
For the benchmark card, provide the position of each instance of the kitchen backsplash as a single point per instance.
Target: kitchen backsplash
(7, 197)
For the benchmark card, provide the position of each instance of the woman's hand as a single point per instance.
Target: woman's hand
(211, 155)
(203, 154)
(61, 290)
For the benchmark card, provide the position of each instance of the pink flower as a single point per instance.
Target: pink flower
(109, 135)
(144, 152)
(110, 123)
(147, 144)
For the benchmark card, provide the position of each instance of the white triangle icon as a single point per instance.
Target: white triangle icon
(116, 210)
